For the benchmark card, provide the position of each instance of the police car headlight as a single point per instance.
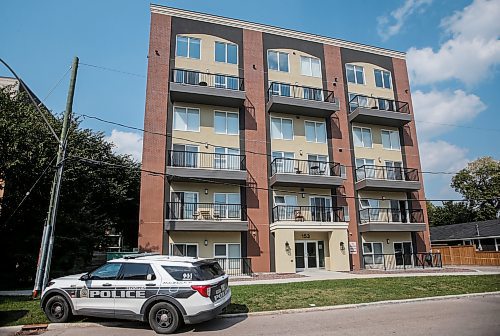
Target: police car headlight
(50, 283)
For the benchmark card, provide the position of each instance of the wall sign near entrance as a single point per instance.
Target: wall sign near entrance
(353, 248)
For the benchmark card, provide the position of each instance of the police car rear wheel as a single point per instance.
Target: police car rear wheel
(57, 309)
(163, 318)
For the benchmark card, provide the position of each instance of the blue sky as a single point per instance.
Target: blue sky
(453, 56)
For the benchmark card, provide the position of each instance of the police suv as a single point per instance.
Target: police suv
(163, 290)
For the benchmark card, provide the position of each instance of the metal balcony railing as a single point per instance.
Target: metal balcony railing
(388, 215)
(307, 213)
(378, 103)
(402, 260)
(236, 266)
(307, 167)
(300, 92)
(189, 159)
(220, 81)
(205, 211)
(386, 173)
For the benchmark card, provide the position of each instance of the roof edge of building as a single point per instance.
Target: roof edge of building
(186, 14)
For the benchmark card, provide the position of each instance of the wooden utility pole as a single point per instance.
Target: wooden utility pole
(45, 256)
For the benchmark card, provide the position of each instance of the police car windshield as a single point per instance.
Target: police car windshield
(203, 272)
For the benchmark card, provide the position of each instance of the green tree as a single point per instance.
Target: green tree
(93, 198)
(450, 213)
(479, 183)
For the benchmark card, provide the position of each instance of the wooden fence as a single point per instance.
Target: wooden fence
(466, 255)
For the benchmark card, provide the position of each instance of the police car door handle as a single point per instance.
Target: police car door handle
(150, 284)
(107, 284)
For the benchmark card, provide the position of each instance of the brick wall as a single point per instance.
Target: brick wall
(151, 215)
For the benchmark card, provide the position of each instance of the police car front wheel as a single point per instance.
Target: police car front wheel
(163, 318)
(57, 309)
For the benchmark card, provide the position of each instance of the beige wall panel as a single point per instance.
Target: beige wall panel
(369, 88)
(207, 62)
(207, 132)
(294, 75)
(284, 258)
(378, 152)
(199, 238)
(339, 260)
(200, 189)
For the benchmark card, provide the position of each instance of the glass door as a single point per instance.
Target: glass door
(317, 164)
(300, 262)
(403, 253)
(312, 256)
(321, 209)
(287, 205)
(394, 170)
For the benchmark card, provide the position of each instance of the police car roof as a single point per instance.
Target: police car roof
(158, 258)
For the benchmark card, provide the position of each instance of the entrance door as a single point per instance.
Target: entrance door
(403, 253)
(307, 255)
(312, 254)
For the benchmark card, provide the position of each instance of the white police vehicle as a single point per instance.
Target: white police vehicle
(163, 290)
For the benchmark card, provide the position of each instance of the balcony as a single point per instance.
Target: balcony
(306, 173)
(206, 88)
(379, 111)
(393, 220)
(301, 100)
(319, 218)
(188, 166)
(369, 177)
(182, 216)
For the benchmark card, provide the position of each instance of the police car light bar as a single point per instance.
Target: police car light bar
(138, 255)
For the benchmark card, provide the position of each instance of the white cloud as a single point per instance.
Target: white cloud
(435, 108)
(389, 26)
(469, 55)
(126, 143)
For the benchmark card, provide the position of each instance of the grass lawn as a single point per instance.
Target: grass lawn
(252, 298)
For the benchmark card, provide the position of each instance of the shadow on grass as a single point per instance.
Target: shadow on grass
(10, 316)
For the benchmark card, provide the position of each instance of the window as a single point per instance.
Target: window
(362, 137)
(280, 89)
(315, 131)
(355, 74)
(370, 210)
(382, 79)
(277, 60)
(184, 156)
(134, 271)
(227, 158)
(390, 140)
(226, 82)
(310, 66)
(184, 250)
(356, 100)
(226, 123)
(285, 207)
(282, 128)
(394, 170)
(372, 253)
(283, 162)
(188, 47)
(312, 94)
(321, 210)
(184, 205)
(226, 52)
(186, 119)
(106, 272)
(227, 251)
(227, 205)
(365, 168)
(318, 164)
(203, 272)
(187, 77)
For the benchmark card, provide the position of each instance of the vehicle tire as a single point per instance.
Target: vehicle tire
(163, 318)
(57, 309)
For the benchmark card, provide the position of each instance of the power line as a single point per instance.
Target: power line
(56, 85)
(113, 70)
(460, 126)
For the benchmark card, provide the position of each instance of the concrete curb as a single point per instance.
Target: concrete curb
(357, 305)
(60, 326)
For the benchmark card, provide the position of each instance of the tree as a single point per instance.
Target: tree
(479, 183)
(93, 199)
(450, 213)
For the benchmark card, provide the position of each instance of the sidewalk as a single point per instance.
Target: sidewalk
(314, 275)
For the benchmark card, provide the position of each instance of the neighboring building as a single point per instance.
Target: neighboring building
(485, 235)
(291, 149)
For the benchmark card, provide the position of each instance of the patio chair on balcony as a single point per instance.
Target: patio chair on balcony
(217, 215)
(299, 217)
(205, 214)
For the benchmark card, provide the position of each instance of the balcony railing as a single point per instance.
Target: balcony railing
(386, 173)
(236, 266)
(189, 159)
(402, 260)
(220, 81)
(378, 104)
(205, 211)
(307, 167)
(307, 213)
(388, 215)
(300, 92)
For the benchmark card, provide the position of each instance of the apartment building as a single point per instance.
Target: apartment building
(276, 149)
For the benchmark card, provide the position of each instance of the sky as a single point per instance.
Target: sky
(453, 57)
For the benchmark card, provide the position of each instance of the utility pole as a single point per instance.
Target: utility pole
(45, 255)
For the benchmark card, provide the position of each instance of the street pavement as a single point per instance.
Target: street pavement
(478, 316)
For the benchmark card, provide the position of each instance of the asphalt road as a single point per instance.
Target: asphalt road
(478, 316)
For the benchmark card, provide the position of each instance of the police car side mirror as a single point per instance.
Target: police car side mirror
(85, 277)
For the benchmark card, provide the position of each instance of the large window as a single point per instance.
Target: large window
(277, 60)
(280, 89)
(355, 74)
(188, 47)
(390, 140)
(362, 137)
(365, 168)
(315, 131)
(282, 128)
(227, 251)
(382, 79)
(226, 52)
(226, 82)
(184, 250)
(373, 254)
(186, 119)
(283, 162)
(184, 156)
(133, 271)
(226, 123)
(227, 158)
(310, 66)
(356, 100)
(227, 205)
